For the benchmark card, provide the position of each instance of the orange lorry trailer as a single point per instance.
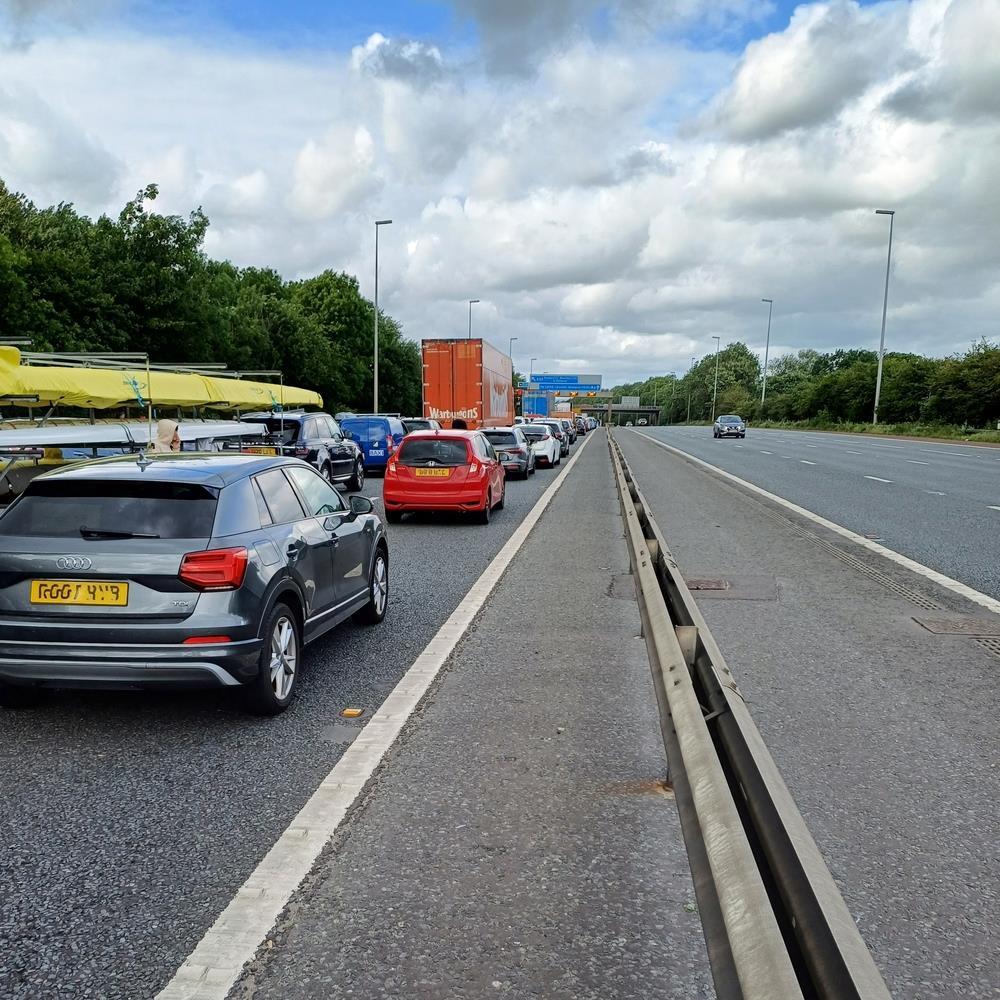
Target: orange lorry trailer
(467, 379)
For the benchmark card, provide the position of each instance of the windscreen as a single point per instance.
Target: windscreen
(500, 437)
(87, 509)
(439, 451)
(729, 419)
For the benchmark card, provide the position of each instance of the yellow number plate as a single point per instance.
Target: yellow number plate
(101, 592)
(261, 451)
(441, 473)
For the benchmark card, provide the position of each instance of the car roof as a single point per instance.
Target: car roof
(444, 432)
(214, 469)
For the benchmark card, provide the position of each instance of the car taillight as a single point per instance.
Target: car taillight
(515, 451)
(215, 569)
(390, 444)
(390, 468)
(204, 640)
(473, 469)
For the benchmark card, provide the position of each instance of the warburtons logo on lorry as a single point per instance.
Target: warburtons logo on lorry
(470, 414)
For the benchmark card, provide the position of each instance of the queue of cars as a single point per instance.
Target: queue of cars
(191, 570)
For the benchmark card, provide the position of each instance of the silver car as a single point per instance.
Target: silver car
(181, 571)
(729, 425)
(513, 450)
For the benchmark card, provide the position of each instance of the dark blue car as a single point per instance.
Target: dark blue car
(378, 437)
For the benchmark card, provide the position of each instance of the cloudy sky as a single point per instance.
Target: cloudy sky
(616, 180)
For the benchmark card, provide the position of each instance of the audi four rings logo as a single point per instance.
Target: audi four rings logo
(73, 562)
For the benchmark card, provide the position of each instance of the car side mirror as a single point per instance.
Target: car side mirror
(361, 505)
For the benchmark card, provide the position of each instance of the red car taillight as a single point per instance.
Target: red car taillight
(390, 445)
(390, 468)
(215, 569)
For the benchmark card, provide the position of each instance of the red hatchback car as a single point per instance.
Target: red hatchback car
(443, 470)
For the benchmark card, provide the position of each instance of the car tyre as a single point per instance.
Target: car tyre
(378, 591)
(394, 516)
(277, 679)
(327, 473)
(13, 696)
(357, 481)
(503, 495)
(487, 511)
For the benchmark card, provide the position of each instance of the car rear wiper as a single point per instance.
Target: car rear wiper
(86, 532)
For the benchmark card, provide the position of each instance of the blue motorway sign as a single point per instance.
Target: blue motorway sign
(545, 382)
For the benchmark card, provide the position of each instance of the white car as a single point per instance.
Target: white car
(544, 445)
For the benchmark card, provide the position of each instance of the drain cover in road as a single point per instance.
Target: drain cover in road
(738, 587)
(962, 625)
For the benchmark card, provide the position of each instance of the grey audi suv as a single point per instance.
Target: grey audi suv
(181, 570)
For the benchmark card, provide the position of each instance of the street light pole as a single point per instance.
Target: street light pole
(767, 345)
(510, 348)
(715, 391)
(471, 303)
(378, 223)
(885, 305)
(689, 396)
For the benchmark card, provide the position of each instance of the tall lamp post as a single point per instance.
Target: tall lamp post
(531, 372)
(885, 305)
(715, 391)
(472, 302)
(510, 348)
(378, 223)
(767, 345)
(689, 397)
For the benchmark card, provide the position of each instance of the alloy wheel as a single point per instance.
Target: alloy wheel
(380, 584)
(284, 657)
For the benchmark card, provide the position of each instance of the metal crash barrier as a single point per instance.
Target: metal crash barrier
(775, 923)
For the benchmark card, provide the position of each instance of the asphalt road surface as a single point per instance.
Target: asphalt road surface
(936, 503)
(884, 732)
(128, 821)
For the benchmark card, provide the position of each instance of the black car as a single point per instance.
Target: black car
(315, 438)
(181, 571)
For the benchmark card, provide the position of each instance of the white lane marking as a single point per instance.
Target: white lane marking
(991, 507)
(767, 452)
(786, 456)
(805, 462)
(855, 453)
(955, 586)
(212, 969)
(952, 454)
(911, 461)
(737, 446)
(812, 445)
(877, 480)
(936, 493)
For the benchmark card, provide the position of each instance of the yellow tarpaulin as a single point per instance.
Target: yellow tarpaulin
(104, 388)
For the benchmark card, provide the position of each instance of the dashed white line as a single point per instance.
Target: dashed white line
(991, 507)
(805, 462)
(812, 445)
(936, 493)
(876, 479)
(914, 462)
(955, 586)
(212, 969)
(767, 452)
(855, 453)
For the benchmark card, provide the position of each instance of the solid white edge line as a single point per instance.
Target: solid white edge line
(213, 968)
(963, 590)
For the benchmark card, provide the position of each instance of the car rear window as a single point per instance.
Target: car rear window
(60, 508)
(533, 432)
(440, 451)
(285, 432)
(416, 425)
(500, 437)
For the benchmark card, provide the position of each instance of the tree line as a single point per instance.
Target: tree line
(143, 282)
(834, 387)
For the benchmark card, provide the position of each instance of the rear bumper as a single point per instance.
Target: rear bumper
(436, 501)
(77, 665)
